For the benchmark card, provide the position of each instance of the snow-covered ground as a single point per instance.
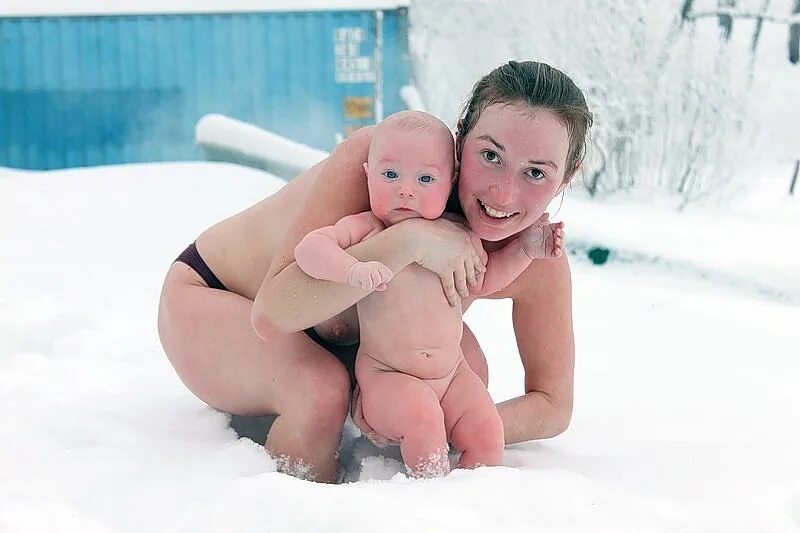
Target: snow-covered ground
(687, 411)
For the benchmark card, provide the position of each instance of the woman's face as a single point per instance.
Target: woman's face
(512, 165)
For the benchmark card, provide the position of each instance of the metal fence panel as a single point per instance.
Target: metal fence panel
(90, 90)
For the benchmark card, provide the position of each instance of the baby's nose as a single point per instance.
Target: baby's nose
(406, 193)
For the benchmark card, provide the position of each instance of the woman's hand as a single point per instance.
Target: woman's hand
(451, 251)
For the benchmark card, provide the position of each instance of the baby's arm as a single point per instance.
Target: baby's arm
(542, 240)
(321, 253)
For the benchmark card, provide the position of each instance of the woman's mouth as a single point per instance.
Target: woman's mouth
(496, 214)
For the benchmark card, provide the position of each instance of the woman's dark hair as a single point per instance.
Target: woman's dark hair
(538, 85)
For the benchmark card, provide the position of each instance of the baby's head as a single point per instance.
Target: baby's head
(410, 167)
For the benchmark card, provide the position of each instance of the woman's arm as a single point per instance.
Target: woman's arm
(502, 268)
(542, 318)
(290, 300)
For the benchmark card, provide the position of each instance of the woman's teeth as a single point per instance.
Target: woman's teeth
(494, 213)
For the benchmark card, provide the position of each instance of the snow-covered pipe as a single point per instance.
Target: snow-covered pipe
(226, 139)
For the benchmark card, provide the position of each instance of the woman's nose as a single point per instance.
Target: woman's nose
(504, 191)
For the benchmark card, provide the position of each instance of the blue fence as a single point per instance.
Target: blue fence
(90, 90)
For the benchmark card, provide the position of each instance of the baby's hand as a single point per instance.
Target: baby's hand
(543, 240)
(369, 275)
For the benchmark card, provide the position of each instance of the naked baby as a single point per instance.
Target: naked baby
(416, 387)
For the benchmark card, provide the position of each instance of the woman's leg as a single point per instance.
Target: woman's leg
(207, 336)
(474, 355)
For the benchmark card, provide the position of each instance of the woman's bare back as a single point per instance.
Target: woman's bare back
(240, 249)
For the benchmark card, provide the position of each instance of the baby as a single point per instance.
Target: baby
(416, 387)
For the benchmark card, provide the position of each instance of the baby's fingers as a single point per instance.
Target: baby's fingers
(385, 273)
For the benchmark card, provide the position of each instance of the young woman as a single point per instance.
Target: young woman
(249, 333)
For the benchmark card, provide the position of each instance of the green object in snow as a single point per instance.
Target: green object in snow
(599, 255)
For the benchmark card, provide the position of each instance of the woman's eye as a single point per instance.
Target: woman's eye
(536, 174)
(426, 179)
(390, 174)
(491, 156)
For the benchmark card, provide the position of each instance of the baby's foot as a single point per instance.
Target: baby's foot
(543, 240)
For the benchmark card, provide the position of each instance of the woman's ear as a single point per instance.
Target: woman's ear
(366, 168)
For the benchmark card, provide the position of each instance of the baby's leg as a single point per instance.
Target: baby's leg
(405, 408)
(472, 422)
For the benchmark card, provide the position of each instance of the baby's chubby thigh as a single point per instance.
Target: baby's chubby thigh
(397, 405)
(472, 422)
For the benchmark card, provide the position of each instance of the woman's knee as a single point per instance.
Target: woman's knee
(321, 397)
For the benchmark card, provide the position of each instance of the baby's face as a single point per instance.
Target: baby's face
(409, 175)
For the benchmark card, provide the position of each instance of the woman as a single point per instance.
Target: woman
(233, 308)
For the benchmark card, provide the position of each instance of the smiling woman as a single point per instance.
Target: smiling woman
(241, 347)
(507, 176)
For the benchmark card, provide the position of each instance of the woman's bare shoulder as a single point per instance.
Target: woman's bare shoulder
(337, 188)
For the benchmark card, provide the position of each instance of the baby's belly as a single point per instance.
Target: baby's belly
(429, 363)
(410, 327)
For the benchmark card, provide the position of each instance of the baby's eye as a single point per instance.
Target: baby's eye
(536, 174)
(490, 156)
(426, 179)
(390, 174)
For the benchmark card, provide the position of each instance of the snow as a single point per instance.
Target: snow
(686, 409)
(687, 406)
(50, 8)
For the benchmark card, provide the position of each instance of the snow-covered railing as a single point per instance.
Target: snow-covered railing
(740, 14)
(225, 139)
(727, 11)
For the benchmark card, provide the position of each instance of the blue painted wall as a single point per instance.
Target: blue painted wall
(78, 91)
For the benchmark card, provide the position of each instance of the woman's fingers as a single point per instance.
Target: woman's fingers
(472, 273)
(449, 288)
(460, 279)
